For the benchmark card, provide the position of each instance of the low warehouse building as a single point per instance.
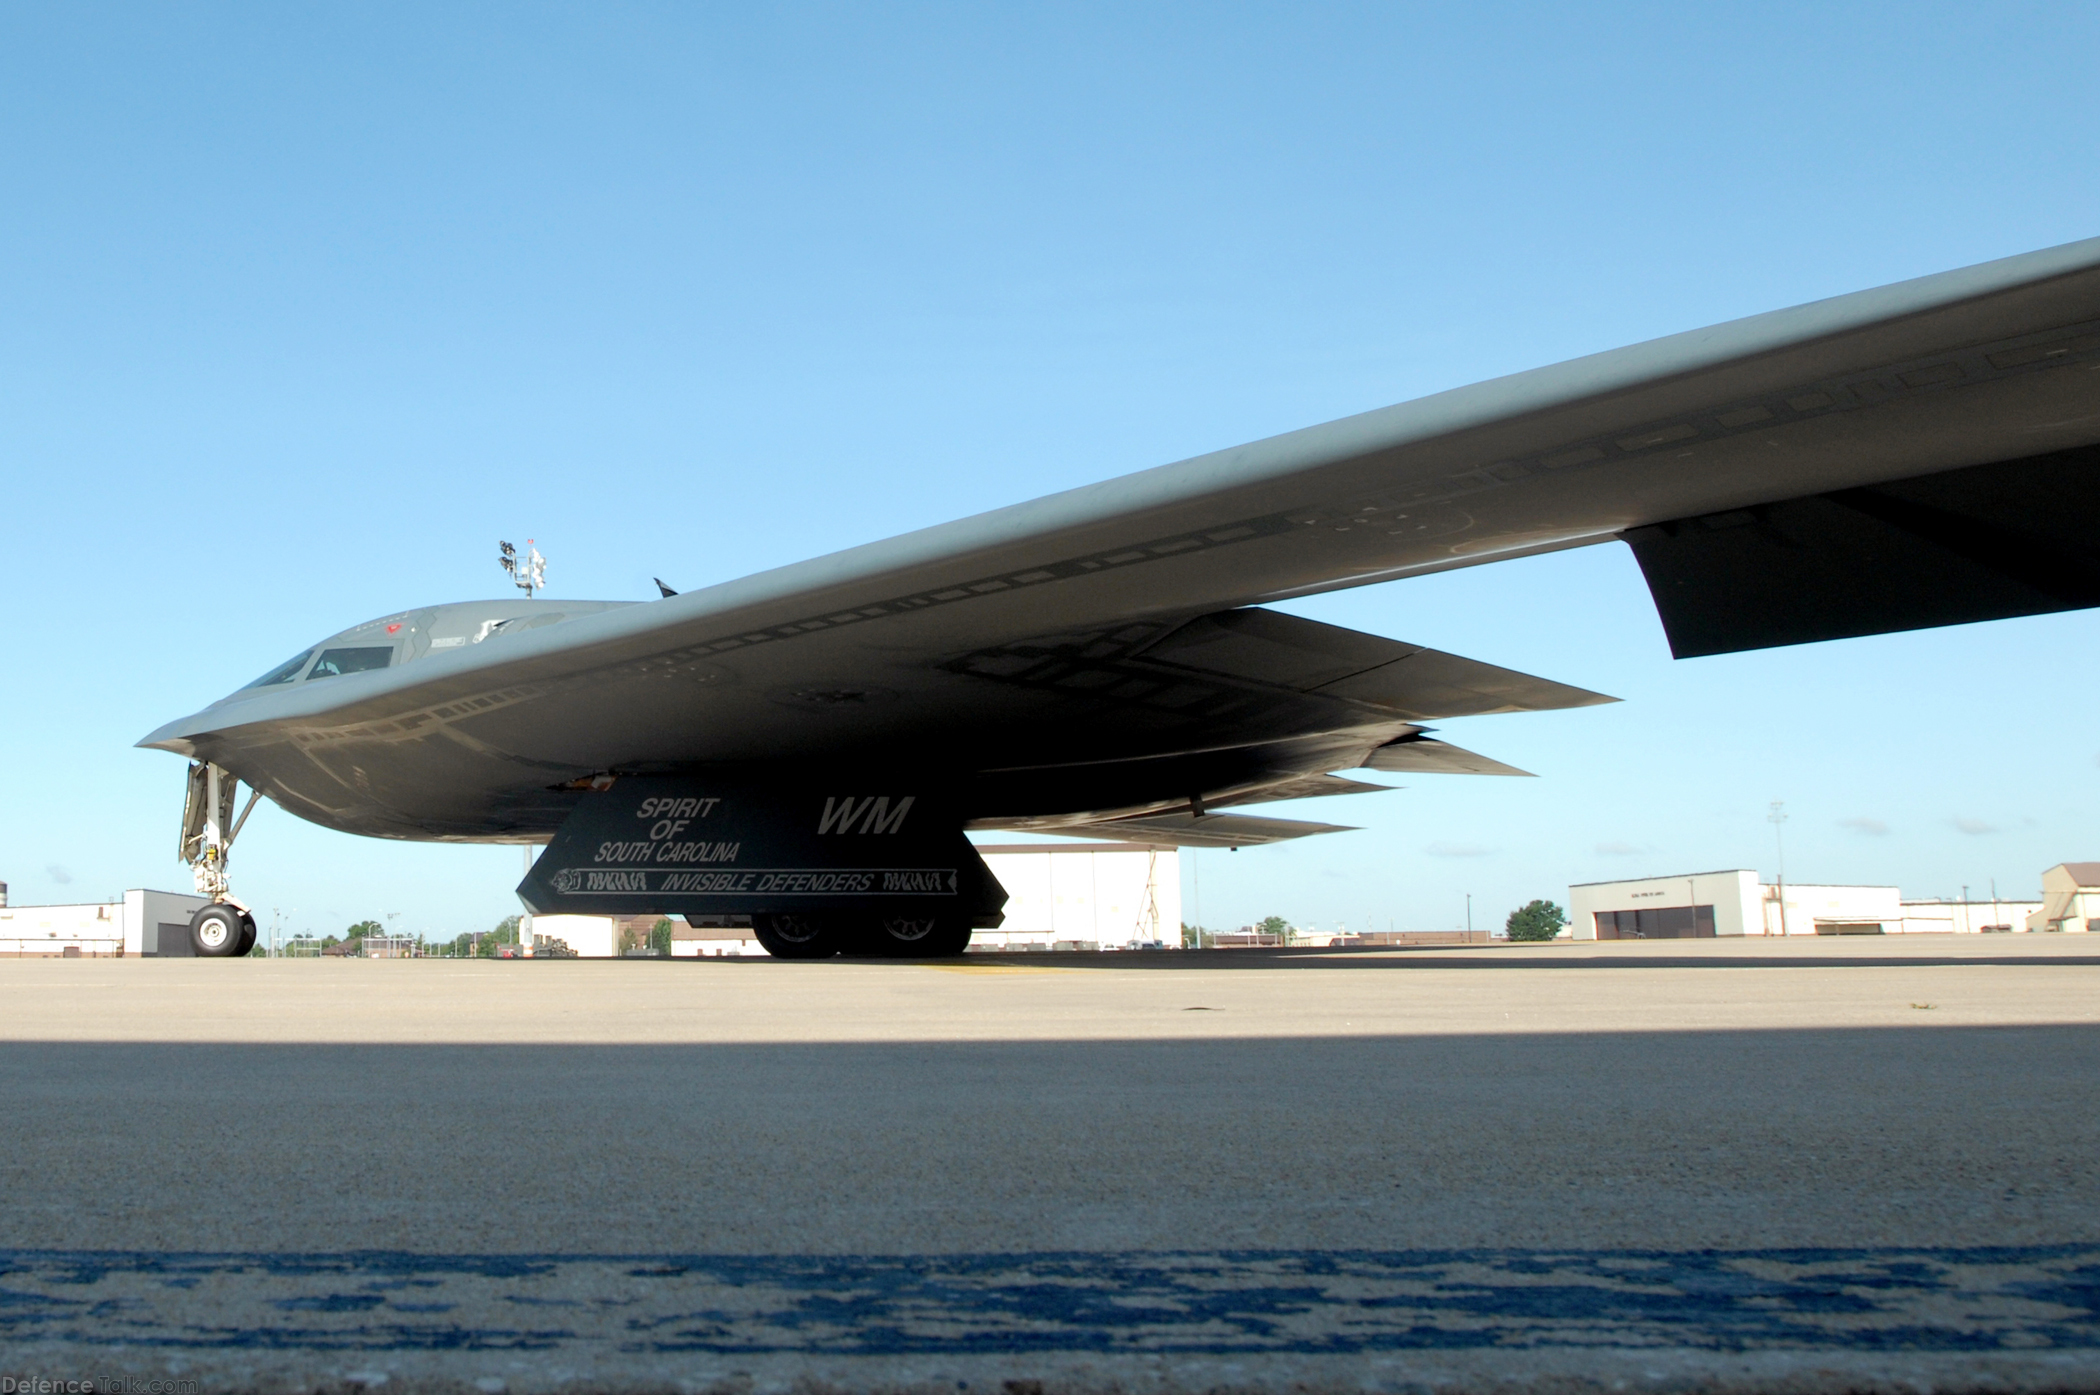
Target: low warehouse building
(149, 923)
(1993, 917)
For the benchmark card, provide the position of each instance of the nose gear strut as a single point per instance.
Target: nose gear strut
(224, 928)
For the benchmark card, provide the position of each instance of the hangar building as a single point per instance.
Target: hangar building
(1084, 896)
(1705, 905)
(2070, 898)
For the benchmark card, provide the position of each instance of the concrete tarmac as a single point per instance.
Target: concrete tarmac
(1829, 1164)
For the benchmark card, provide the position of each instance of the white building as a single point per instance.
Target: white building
(1704, 905)
(2070, 898)
(1993, 917)
(1084, 895)
(1698, 905)
(147, 923)
(591, 936)
(1833, 910)
(715, 937)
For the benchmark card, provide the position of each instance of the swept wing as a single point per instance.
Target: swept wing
(1918, 454)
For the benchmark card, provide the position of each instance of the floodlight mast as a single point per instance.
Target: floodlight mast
(527, 573)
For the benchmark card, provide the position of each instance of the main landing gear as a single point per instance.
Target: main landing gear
(811, 935)
(223, 929)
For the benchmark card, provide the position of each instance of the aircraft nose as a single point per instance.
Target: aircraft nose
(168, 738)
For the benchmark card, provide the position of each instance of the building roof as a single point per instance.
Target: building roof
(1661, 877)
(2084, 873)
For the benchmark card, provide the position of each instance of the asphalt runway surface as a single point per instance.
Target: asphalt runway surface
(1815, 1165)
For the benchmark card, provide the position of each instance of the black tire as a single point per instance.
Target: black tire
(793, 935)
(247, 936)
(915, 936)
(215, 931)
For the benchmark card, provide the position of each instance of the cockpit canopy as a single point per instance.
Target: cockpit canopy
(399, 639)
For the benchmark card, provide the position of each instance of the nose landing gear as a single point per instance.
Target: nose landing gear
(223, 929)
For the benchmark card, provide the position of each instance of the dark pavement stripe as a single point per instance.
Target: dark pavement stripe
(1994, 1299)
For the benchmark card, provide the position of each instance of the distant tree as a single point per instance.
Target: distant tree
(660, 938)
(330, 941)
(1276, 925)
(505, 933)
(1541, 920)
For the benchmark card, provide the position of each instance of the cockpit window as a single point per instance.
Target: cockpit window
(284, 672)
(338, 661)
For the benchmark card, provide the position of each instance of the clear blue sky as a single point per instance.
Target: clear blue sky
(303, 307)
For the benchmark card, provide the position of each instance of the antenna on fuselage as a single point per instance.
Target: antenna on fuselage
(527, 573)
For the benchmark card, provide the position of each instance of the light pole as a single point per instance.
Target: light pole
(1196, 885)
(1778, 817)
(529, 572)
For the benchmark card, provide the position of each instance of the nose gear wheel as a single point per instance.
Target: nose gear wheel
(221, 931)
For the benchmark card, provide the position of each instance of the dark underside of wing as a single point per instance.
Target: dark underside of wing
(2017, 537)
(1319, 697)
(1187, 830)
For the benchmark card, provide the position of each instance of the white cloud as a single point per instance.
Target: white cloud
(1619, 849)
(1973, 827)
(58, 874)
(1873, 828)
